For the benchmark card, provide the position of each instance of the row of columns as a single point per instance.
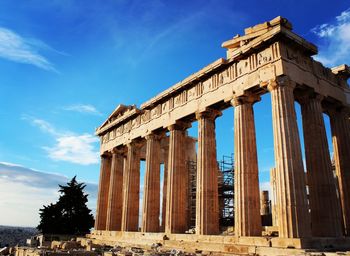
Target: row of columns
(324, 204)
(321, 217)
(120, 177)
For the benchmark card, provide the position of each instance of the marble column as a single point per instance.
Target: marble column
(340, 126)
(115, 196)
(151, 197)
(103, 189)
(247, 200)
(207, 198)
(177, 192)
(264, 203)
(165, 185)
(274, 188)
(325, 211)
(131, 189)
(293, 215)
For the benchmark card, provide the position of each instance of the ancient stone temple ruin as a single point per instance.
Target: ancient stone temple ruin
(312, 204)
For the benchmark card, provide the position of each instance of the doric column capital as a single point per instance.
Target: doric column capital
(318, 97)
(282, 81)
(333, 111)
(152, 136)
(179, 125)
(118, 151)
(155, 135)
(208, 113)
(307, 97)
(137, 144)
(245, 99)
(106, 154)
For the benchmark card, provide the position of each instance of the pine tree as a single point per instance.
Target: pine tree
(70, 214)
(51, 219)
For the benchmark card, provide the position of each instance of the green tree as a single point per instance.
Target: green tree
(69, 215)
(51, 219)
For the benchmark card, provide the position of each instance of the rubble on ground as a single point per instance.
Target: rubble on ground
(75, 247)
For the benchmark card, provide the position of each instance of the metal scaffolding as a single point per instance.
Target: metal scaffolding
(225, 190)
(192, 172)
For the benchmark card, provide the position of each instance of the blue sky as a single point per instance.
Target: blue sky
(65, 65)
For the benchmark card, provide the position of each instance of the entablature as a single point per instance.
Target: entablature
(269, 52)
(120, 114)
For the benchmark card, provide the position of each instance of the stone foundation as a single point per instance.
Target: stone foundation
(219, 244)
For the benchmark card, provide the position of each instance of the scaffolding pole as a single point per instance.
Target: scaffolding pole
(225, 191)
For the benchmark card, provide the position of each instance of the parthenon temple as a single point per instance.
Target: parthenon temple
(312, 202)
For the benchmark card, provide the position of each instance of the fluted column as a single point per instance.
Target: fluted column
(293, 216)
(207, 199)
(177, 192)
(247, 200)
(264, 203)
(103, 189)
(340, 126)
(151, 197)
(274, 188)
(115, 195)
(325, 211)
(131, 189)
(165, 185)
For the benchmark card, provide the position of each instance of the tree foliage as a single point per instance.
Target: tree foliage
(69, 215)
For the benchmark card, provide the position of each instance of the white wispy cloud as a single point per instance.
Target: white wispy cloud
(336, 36)
(77, 149)
(24, 191)
(16, 48)
(69, 147)
(45, 126)
(83, 108)
(145, 42)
